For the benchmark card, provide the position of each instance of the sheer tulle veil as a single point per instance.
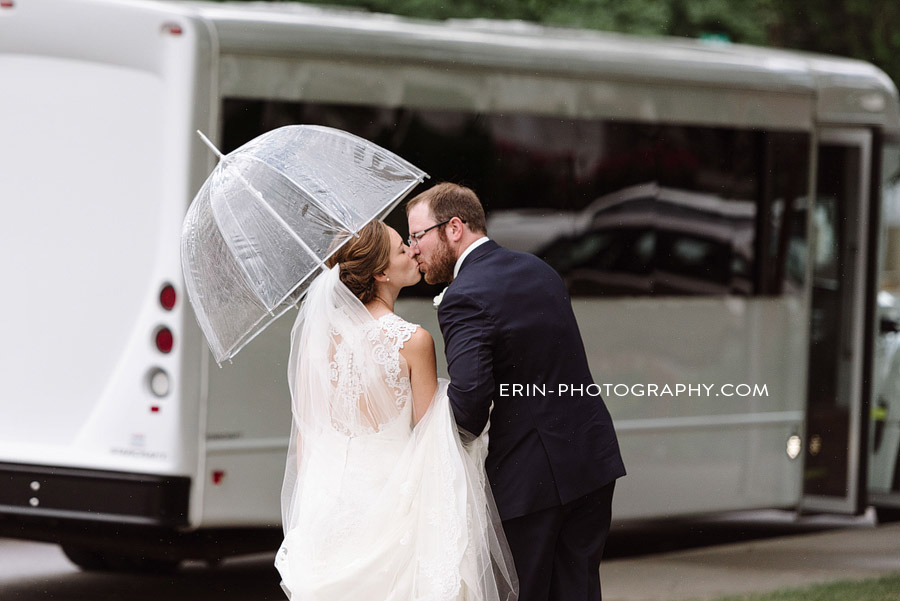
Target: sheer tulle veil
(374, 509)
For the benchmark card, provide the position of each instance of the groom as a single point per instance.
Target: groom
(511, 339)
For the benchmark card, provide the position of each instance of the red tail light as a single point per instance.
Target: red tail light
(164, 340)
(7, 4)
(167, 297)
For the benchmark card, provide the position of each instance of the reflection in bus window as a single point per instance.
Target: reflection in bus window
(618, 208)
(651, 240)
(826, 255)
(604, 263)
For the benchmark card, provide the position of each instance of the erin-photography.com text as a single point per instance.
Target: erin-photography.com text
(635, 390)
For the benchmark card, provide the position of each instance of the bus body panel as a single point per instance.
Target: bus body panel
(97, 153)
(300, 30)
(720, 445)
(248, 422)
(466, 87)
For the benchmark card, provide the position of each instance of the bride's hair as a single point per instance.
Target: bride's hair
(363, 257)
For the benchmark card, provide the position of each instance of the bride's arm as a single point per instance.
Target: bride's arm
(419, 354)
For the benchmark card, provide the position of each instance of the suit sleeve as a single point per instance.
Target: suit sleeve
(467, 327)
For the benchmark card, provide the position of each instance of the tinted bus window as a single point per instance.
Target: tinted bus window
(618, 209)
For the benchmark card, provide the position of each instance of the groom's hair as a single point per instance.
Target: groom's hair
(447, 200)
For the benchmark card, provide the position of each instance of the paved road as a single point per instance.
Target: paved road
(36, 571)
(851, 553)
(676, 552)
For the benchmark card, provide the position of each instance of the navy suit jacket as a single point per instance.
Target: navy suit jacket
(507, 320)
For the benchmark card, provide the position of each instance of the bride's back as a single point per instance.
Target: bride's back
(369, 378)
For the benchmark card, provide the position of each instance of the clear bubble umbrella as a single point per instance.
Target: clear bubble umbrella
(269, 216)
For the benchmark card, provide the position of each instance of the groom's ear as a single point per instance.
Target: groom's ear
(455, 229)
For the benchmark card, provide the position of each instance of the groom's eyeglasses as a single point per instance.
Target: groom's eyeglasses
(414, 238)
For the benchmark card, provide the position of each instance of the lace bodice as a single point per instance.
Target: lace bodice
(352, 405)
(394, 333)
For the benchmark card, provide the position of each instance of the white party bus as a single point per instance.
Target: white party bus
(714, 210)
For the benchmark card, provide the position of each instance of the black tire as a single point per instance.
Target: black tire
(91, 560)
(887, 515)
(141, 565)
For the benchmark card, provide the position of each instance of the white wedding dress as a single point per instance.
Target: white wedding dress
(375, 509)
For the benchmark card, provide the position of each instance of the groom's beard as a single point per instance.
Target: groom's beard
(442, 263)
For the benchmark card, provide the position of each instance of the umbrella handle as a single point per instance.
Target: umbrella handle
(210, 144)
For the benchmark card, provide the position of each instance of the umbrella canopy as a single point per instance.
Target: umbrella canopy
(268, 217)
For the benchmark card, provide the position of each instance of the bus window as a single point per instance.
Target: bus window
(782, 227)
(596, 199)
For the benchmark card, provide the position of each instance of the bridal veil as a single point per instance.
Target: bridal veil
(374, 508)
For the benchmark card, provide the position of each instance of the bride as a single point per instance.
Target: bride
(381, 499)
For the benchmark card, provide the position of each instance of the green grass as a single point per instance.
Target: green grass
(881, 589)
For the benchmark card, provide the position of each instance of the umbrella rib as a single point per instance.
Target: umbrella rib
(308, 193)
(259, 198)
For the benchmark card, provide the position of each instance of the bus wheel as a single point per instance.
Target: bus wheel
(85, 559)
(140, 565)
(887, 515)
(96, 561)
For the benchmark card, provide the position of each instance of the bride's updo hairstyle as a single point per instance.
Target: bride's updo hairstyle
(361, 258)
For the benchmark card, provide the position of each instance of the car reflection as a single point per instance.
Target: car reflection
(641, 240)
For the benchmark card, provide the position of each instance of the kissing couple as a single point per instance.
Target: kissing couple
(400, 486)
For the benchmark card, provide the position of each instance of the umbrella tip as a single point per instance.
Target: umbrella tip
(209, 143)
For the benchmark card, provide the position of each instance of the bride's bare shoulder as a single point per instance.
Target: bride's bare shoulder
(419, 343)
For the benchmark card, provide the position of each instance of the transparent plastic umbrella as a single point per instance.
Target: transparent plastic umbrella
(270, 214)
